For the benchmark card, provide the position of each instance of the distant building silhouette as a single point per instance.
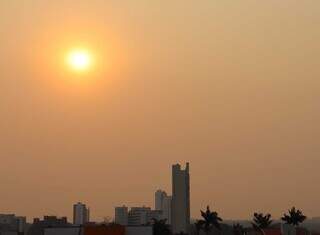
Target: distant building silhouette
(81, 214)
(76, 230)
(136, 216)
(180, 199)
(163, 203)
(121, 215)
(87, 229)
(38, 227)
(158, 199)
(166, 209)
(13, 223)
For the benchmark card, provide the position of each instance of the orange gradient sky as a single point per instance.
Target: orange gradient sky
(231, 86)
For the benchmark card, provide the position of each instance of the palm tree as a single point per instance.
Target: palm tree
(209, 221)
(295, 217)
(160, 227)
(238, 229)
(261, 221)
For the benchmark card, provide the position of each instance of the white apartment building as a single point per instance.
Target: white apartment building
(81, 214)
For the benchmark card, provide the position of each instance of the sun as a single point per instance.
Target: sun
(79, 60)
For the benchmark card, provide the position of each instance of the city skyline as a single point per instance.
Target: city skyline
(175, 212)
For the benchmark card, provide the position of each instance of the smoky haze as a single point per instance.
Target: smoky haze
(230, 86)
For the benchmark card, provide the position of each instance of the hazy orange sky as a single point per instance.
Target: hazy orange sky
(231, 86)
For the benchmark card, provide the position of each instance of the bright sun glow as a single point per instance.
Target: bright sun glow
(79, 60)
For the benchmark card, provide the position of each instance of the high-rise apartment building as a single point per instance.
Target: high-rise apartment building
(121, 215)
(166, 209)
(158, 199)
(81, 214)
(180, 211)
(163, 204)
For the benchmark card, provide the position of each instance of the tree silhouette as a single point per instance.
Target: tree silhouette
(238, 229)
(198, 225)
(209, 221)
(261, 221)
(160, 227)
(295, 217)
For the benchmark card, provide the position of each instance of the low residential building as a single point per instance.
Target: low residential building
(12, 223)
(139, 230)
(63, 231)
(87, 229)
(38, 227)
(154, 214)
(138, 216)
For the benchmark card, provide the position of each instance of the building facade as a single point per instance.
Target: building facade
(121, 215)
(81, 214)
(38, 226)
(180, 212)
(154, 214)
(163, 203)
(138, 216)
(166, 209)
(158, 199)
(87, 229)
(62, 231)
(11, 222)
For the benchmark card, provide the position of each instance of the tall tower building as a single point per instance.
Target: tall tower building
(80, 214)
(180, 199)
